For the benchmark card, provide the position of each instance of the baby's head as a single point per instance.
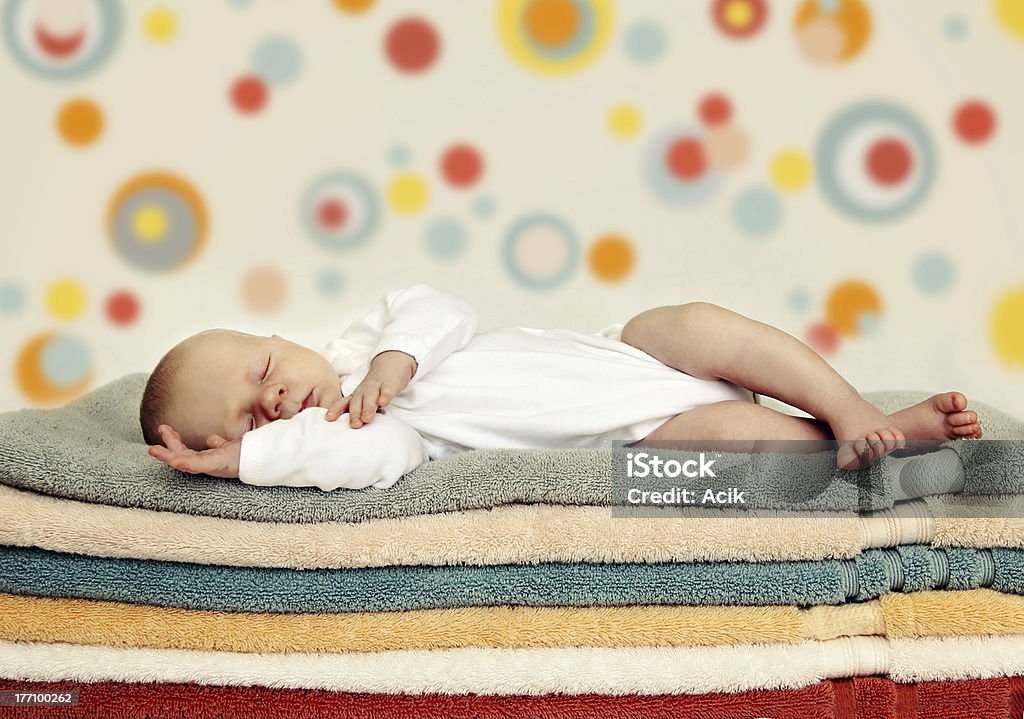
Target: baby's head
(226, 382)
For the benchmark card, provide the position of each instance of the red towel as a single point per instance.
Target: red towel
(859, 698)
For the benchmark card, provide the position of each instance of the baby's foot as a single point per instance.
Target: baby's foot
(865, 435)
(942, 416)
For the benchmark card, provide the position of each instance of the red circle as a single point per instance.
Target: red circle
(412, 45)
(823, 338)
(974, 121)
(332, 214)
(685, 158)
(758, 10)
(249, 94)
(461, 165)
(889, 161)
(715, 109)
(122, 307)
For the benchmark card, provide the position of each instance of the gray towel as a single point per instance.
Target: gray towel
(92, 450)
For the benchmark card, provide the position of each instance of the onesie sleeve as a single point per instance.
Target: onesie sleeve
(419, 320)
(308, 451)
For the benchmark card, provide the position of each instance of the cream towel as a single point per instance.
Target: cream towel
(462, 671)
(516, 534)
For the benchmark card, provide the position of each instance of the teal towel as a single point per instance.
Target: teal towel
(92, 450)
(908, 568)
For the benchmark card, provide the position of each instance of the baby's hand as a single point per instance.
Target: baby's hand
(389, 374)
(221, 460)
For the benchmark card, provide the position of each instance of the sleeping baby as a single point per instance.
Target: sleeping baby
(418, 382)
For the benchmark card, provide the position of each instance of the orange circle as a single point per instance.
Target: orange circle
(847, 302)
(353, 6)
(80, 121)
(28, 371)
(264, 289)
(852, 16)
(611, 258)
(552, 23)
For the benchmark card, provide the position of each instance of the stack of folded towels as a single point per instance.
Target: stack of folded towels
(491, 584)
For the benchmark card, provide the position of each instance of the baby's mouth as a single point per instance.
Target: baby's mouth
(309, 401)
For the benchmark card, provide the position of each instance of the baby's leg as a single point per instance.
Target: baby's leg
(711, 342)
(734, 421)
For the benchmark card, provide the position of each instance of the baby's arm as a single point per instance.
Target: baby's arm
(422, 322)
(306, 451)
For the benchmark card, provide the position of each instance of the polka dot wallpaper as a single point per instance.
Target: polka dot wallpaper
(847, 170)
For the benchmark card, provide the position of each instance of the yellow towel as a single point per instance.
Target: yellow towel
(80, 621)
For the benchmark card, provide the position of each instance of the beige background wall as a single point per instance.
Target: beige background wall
(164, 95)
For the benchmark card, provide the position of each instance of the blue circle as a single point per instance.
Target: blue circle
(109, 24)
(278, 60)
(330, 282)
(757, 210)
(515, 232)
(241, 4)
(868, 323)
(484, 206)
(828, 7)
(799, 299)
(65, 360)
(12, 297)
(446, 239)
(645, 42)
(666, 185)
(399, 156)
(350, 237)
(829, 148)
(933, 273)
(955, 28)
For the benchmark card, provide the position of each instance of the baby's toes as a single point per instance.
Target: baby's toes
(967, 431)
(890, 439)
(950, 402)
(958, 419)
(854, 454)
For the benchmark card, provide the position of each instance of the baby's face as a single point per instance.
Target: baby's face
(231, 383)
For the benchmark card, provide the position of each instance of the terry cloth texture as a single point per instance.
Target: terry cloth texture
(96, 444)
(911, 568)
(619, 671)
(586, 670)
(516, 534)
(82, 621)
(857, 698)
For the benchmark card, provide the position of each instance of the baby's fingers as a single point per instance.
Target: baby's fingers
(171, 438)
(337, 409)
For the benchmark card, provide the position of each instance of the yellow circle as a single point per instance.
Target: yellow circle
(791, 170)
(611, 258)
(1011, 16)
(738, 14)
(160, 24)
(150, 223)
(1007, 327)
(65, 299)
(624, 121)
(510, 20)
(80, 121)
(408, 193)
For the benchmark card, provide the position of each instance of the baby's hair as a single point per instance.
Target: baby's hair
(159, 392)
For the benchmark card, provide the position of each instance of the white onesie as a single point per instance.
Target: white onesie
(509, 387)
